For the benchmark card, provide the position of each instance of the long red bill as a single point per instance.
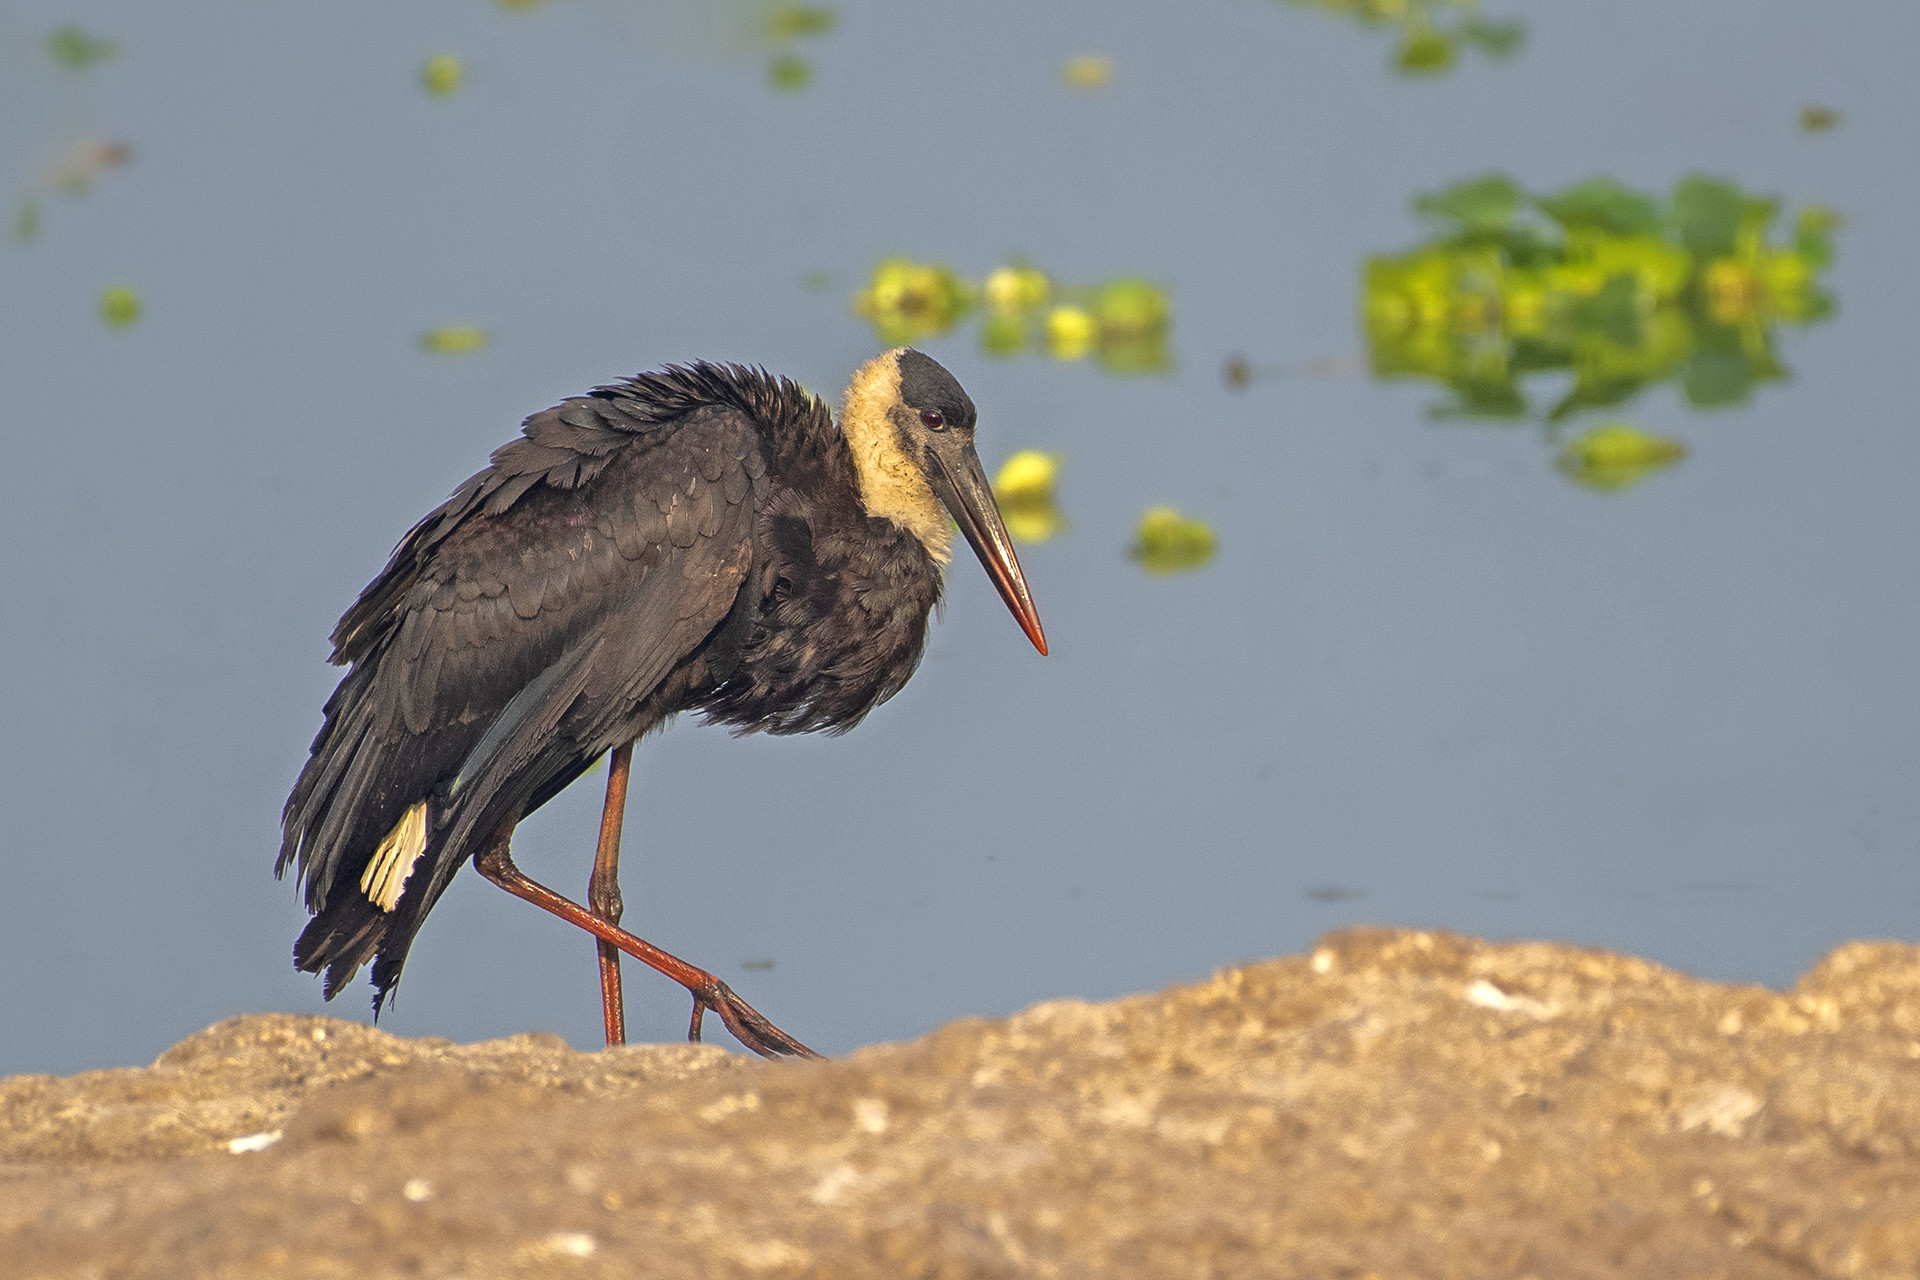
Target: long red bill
(969, 499)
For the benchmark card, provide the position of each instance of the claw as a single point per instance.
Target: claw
(748, 1025)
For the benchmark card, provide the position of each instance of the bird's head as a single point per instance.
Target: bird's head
(909, 426)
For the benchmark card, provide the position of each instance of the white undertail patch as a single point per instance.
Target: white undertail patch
(892, 485)
(393, 861)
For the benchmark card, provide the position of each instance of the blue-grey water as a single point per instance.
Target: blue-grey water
(1426, 680)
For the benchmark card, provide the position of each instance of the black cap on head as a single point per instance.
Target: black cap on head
(924, 384)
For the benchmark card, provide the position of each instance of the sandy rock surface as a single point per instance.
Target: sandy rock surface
(1396, 1104)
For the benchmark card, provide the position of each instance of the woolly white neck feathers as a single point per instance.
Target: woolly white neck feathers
(892, 485)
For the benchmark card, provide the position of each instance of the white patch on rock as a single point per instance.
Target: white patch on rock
(870, 1115)
(834, 1184)
(1487, 996)
(1724, 1111)
(253, 1142)
(770, 1255)
(726, 1106)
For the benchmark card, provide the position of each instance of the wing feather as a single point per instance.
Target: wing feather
(638, 501)
(515, 573)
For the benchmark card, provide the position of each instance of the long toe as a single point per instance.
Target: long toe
(752, 1029)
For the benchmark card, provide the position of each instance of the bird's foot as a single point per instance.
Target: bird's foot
(749, 1026)
(747, 1023)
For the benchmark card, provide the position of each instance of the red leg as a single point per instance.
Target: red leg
(747, 1024)
(603, 890)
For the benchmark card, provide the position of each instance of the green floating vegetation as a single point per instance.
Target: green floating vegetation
(441, 74)
(1087, 71)
(1618, 456)
(1815, 118)
(1432, 32)
(907, 301)
(783, 25)
(73, 48)
(1616, 287)
(26, 223)
(1168, 542)
(1024, 490)
(454, 339)
(789, 73)
(120, 306)
(1123, 323)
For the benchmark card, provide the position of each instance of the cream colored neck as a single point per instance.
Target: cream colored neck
(892, 485)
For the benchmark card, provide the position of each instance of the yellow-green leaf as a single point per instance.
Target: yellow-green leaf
(441, 74)
(791, 21)
(1617, 456)
(1024, 490)
(1815, 118)
(907, 300)
(1027, 476)
(789, 73)
(1071, 333)
(454, 340)
(1168, 542)
(74, 48)
(1088, 71)
(120, 306)
(1016, 288)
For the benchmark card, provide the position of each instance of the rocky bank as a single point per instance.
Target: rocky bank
(1396, 1104)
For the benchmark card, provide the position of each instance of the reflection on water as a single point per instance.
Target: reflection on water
(1168, 542)
(1123, 324)
(1024, 490)
(1432, 32)
(1618, 456)
(1611, 286)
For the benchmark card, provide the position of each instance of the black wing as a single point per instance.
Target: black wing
(547, 612)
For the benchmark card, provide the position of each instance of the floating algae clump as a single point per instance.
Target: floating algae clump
(1168, 542)
(1618, 456)
(120, 306)
(1431, 31)
(907, 300)
(454, 340)
(1087, 71)
(1122, 323)
(1618, 288)
(1024, 490)
(441, 74)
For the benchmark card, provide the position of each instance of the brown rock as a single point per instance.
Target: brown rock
(1395, 1104)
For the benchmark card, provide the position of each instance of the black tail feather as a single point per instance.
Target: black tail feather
(340, 939)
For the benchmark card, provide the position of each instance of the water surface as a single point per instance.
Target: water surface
(1426, 678)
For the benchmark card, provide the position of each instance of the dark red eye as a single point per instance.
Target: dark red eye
(932, 419)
